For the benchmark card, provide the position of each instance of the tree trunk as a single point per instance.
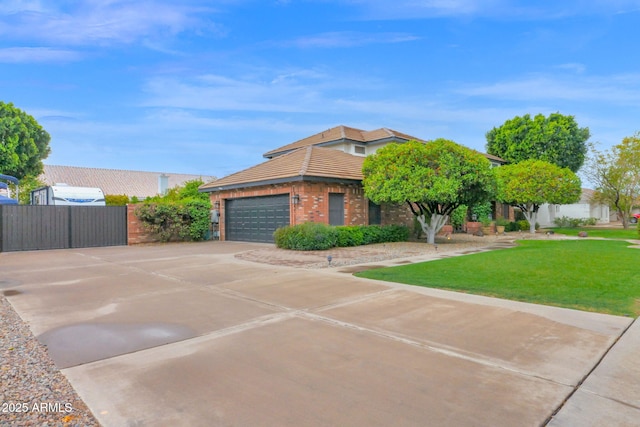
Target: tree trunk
(624, 217)
(431, 226)
(532, 217)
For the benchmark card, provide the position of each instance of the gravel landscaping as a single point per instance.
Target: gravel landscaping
(376, 253)
(33, 392)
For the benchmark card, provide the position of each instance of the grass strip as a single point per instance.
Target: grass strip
(591, 275)
(607, 233)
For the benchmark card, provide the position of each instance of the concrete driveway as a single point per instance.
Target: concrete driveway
(188, 334)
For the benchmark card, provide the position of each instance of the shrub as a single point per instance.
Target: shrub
(458, 217)
(349, 236)
(482, 211)
(371, 234)
(315, 236)
(116, 199)
(188, 220)
(310, 236)
(523, 225)
(394, 233)
(567, 222)
(512, 226)
(197, 218)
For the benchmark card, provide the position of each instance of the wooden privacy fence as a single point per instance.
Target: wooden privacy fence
(26, 228)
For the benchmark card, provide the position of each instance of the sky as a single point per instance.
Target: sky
(207, 87)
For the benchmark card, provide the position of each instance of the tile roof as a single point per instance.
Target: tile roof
(300, 164)
(339, 134)
(115, 181)
(313, 157)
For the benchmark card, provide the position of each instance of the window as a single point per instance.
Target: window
(358, 149)
(336, 209)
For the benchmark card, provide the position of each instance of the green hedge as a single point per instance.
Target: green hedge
(184, 220)
(312, 236)
(116, 199)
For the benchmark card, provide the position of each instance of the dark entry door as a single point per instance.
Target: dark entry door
(254, 219)
(336, 209)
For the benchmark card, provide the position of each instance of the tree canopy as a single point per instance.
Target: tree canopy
(531, 183)
(616, 175)
(556, 139)
(23, 143)
(433, 179)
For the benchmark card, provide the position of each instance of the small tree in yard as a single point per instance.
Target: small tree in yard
(616, 174)
(433, 179)
(529, 184)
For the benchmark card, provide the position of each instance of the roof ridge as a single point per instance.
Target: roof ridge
(306, 161)
(125, 170)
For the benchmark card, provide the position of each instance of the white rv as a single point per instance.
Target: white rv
(66, 195)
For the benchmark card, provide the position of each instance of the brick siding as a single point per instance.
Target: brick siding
(313, 205)
(135, 232)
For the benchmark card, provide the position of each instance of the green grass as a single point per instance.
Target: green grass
(592, 275)
(608, 233)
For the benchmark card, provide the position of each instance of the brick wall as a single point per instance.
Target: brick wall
(135, 232)
(397, 214)
(313, 205)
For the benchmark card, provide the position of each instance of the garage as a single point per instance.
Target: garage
(254, 219)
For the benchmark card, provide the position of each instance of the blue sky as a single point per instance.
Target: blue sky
(207, 87)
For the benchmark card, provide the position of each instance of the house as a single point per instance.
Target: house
(116, 181)
(583, 209)
(318, 179)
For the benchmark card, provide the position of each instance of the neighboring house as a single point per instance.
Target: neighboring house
(117, 182)
(316, 179)
(584, 208)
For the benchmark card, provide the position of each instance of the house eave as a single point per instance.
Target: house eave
(276, 181)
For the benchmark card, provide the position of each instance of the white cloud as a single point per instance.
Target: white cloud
(37, 54)
(499, 9)
(573, 66)
(342, 39)
(621, 89)
(99, 22)
(274, 90)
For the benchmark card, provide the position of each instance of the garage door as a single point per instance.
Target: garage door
(254, 219)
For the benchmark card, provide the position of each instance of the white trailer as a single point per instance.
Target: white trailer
(66, 195)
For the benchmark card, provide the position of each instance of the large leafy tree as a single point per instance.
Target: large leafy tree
(531, 183)
(433, 179)
(555, 139)
(616, 175)
(23, 143)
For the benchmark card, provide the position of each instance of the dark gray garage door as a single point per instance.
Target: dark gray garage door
(254, 219)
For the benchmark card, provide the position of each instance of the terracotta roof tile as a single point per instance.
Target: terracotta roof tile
(301, 163)
(340, 133)
(114, 181)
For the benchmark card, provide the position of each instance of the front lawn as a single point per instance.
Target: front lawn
(607, 233)
(591, 275)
